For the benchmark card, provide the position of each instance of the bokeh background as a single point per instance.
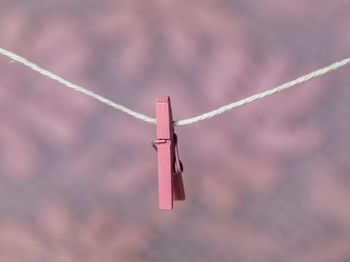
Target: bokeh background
(266, 182)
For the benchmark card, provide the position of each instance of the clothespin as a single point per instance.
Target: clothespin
(170, 184)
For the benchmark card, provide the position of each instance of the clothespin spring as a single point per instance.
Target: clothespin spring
(178, 166)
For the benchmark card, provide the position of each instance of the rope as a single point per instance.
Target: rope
(80, 89)
(261, 95)
(183, 122)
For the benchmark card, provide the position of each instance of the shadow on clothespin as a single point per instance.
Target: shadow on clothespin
(170, 168)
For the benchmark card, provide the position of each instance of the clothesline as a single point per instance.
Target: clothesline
(188, 121)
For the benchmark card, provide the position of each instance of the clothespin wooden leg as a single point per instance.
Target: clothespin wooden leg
(164, 152)
(170, 184)
(178, 187)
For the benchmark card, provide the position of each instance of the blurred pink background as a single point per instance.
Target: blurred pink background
(266, 182)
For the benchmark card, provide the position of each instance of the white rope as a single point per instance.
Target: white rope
(188, 121)
(269, 92)
(66, 83)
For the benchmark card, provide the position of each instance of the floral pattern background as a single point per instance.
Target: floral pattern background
(266, 182)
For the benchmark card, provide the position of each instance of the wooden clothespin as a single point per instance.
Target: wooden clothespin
(170, 184)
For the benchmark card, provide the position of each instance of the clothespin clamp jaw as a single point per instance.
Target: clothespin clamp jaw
(170, 168)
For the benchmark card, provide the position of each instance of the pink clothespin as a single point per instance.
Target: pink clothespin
(170, 184)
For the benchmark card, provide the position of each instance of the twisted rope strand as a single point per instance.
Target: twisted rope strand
(266, 93)
(188, 121)
(77, 88)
